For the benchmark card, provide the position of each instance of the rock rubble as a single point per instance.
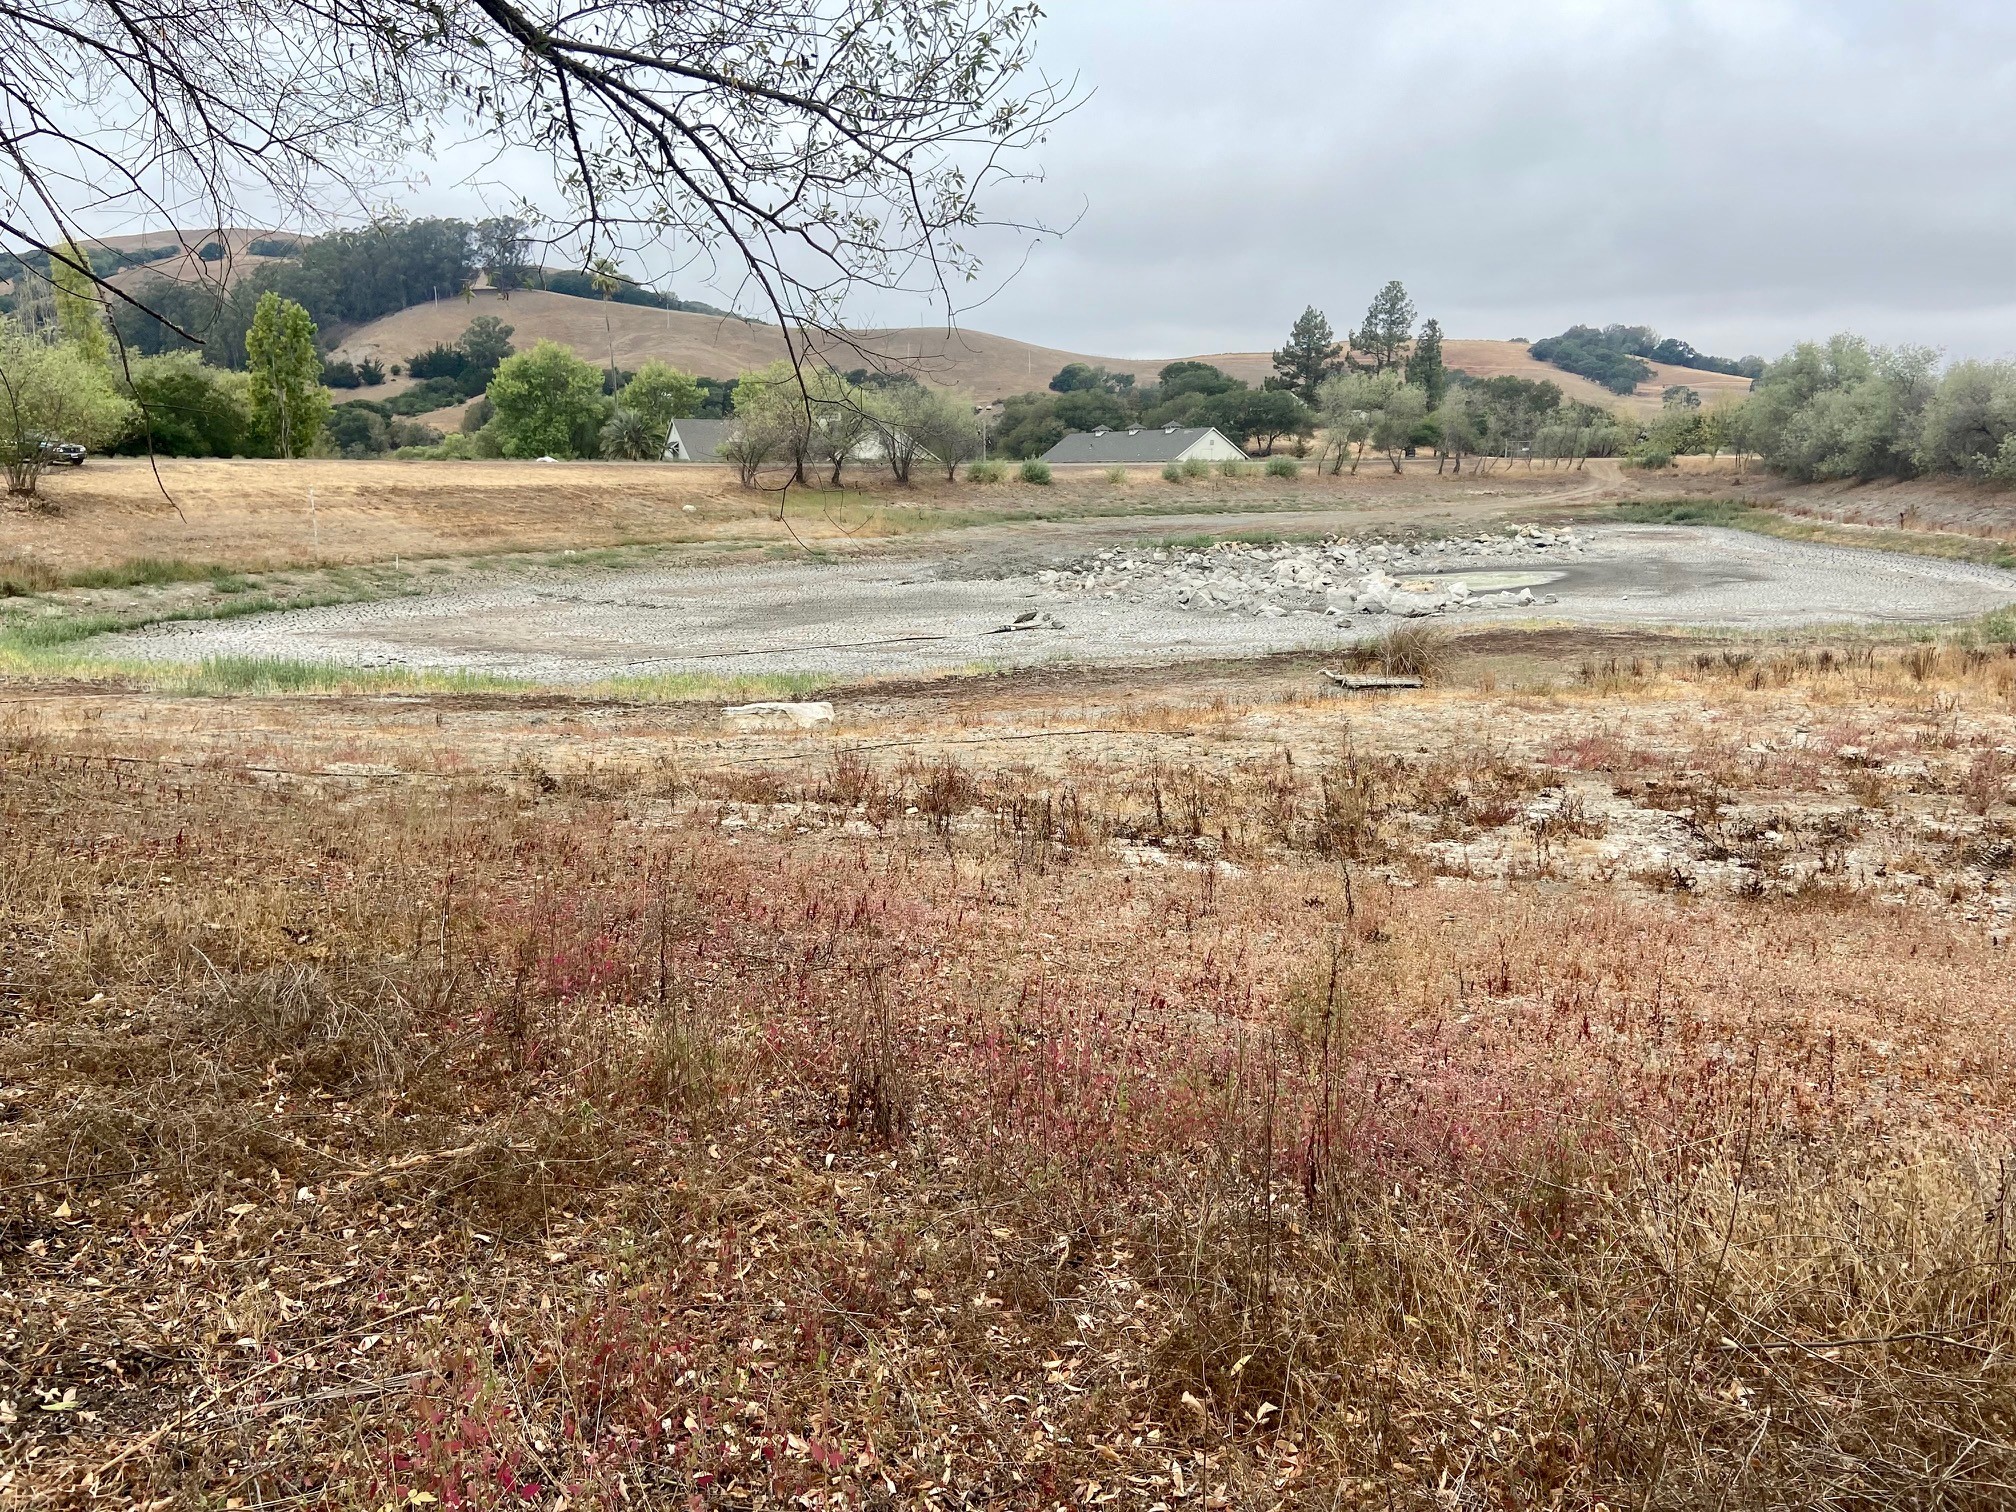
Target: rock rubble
(1337, 577)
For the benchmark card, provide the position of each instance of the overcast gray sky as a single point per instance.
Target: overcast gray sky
(1741, 173)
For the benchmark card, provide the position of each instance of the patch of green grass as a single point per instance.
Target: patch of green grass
(223, 675)
(24, 577)
(1728, 512)
(253, 674)
(599, 557)
(25, 638)
(147, 572)
(1733, 514)
(1998, 627)
(43, 632)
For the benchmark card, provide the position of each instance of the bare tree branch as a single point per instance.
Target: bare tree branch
(825, 146)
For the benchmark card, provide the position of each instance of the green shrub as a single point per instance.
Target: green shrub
(1654, 460)
(1171, 473)
(453, 448)
(1196, 467)
(431, 394)
(1232, 467)
(985, 472)
(1116, 475)
(1282, 467)
(1036, 472)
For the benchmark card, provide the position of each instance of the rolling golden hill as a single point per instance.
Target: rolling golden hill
(984, 365)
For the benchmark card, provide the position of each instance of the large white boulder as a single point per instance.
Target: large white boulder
(778, 716)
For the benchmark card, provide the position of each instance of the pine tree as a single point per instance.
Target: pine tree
(289, 403)
(1311, 355)
(1425, 369)
(1381, 342)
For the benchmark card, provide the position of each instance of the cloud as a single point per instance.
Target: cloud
(1739, 172)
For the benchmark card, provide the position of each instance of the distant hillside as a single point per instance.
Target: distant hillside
(987, 366)
(1499, 359)
(172, 255)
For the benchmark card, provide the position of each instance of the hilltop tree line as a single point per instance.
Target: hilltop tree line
(342, 280)
(1620, 357)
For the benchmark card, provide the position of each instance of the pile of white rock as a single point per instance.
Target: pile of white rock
(1336, 577)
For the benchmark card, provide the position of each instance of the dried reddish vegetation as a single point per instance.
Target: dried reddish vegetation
(506, 1142)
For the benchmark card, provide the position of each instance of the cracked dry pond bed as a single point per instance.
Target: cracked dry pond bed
(931, 611)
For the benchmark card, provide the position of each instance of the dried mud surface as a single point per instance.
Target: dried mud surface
(943, 609)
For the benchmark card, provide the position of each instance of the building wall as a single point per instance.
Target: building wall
(1212, 447)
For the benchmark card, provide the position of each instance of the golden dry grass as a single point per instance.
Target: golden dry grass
(977, 362)
(1595, 1091)
(256, 514)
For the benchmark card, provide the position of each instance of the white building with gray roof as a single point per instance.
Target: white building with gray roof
(1150, 443)
(695, 440)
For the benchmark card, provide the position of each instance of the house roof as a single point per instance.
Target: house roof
(1163, 443)
(699, 440)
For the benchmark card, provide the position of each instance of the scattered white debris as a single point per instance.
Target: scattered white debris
(1337, 577)
(1031, 619)
(756, 716)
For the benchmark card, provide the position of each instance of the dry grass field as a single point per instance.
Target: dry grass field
(1588, 1080)
(1585, 1082)
(257, 514)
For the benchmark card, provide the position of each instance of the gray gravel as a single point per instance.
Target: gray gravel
(896, 617)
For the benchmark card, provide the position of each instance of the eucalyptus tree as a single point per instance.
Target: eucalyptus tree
(289, 404)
